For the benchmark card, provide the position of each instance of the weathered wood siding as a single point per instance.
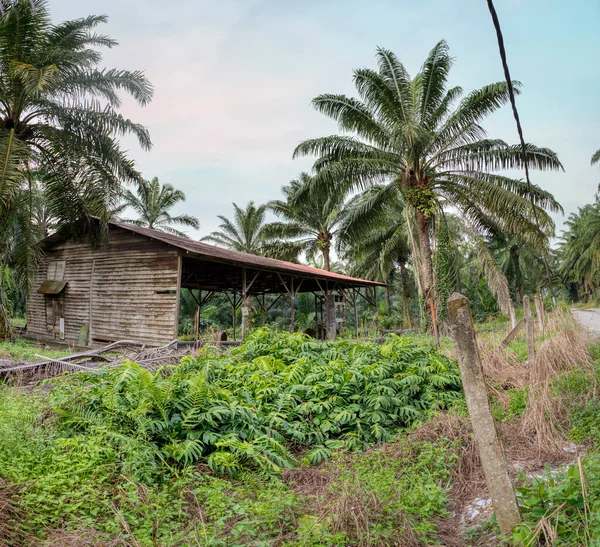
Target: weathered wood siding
(130, 286)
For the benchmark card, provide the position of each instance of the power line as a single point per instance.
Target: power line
(511, 94)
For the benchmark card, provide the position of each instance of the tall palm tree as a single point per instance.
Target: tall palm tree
(409, 134)
(59, 113)
(310, 221)
(579, 248)
(375, 240)
(595, 160)
(521, 264)
(55, 100)
(153, 201)
(245, 233)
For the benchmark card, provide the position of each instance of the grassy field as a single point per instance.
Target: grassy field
(27, 350)
(287, 442)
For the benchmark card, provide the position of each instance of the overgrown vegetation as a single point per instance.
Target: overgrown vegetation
(289, 442)
(132, 454)
(241, 410)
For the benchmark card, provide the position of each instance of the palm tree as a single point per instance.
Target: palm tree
(311, 221)
(153, 201)
(408, 134)
(579, 248)
(55, 100)
(375, 240)
(521, 264)
(59, 113)
(245, 233)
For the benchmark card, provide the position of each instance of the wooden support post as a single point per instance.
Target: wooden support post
(355, 313)
(244, 304)
(177, 297)
(484, 428)
(292, 304)
(322, 321)
(529, 332)
(316, 318)
(330, 311)
(197, 321)
(539, 311)
(234, 312)
(513, 318)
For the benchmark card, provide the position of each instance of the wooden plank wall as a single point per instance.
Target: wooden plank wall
(133, 290)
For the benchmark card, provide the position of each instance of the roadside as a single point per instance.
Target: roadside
(588, 318)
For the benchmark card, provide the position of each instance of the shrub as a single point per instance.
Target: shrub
(247, 408)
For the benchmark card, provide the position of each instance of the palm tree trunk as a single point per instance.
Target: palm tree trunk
(388, 300)
(405, 296)
(423, 227)
(326, 258)
(5, 329)
(518, 294)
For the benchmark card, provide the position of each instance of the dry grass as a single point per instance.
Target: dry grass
(346, 506)
(11, 519)
(529, 441)
(566, 349)
(82, 538)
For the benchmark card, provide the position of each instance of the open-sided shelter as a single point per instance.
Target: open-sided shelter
(129, 287)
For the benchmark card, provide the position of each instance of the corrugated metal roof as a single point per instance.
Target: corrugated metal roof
(52, 287)
(211, 252)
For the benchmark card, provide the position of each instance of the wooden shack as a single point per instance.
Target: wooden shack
(129, 288)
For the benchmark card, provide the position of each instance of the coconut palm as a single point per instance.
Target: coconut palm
(596, 159)
(409, 134)
(310, 221)
(245, 233)
(153, 201)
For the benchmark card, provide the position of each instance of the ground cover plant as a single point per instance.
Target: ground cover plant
(251, 447)
(25, 350)
(246, 408)
(134, 455)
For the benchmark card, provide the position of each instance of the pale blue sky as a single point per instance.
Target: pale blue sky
(234, 79)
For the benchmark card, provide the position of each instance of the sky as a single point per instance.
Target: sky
(234, 79)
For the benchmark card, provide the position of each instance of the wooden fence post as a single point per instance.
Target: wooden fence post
(539, 311)
(529, 331)
(484, 428)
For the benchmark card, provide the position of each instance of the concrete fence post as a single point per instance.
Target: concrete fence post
(493, 461)
(513, 318)
(529, 331)
(539, 311)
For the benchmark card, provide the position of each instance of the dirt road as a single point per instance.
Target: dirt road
(589, 318)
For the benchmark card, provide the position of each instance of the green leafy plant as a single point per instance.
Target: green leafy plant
(562, 510)
(244, 409)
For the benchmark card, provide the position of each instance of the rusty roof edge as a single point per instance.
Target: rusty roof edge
(228, 255)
